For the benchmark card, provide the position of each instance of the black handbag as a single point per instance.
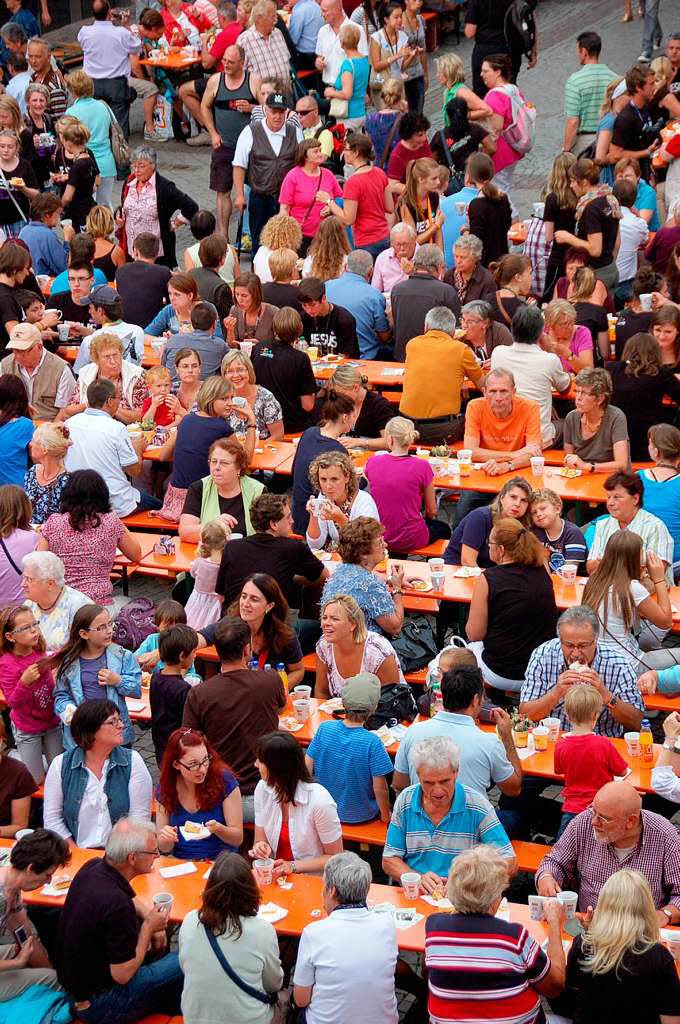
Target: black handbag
(396, 704)
(416, 645)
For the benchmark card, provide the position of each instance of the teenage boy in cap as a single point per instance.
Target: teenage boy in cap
(265, 150)
(350, 761)
(46, 376)
(106, 309)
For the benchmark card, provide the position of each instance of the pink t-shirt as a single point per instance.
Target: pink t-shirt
(581, 341)
(505, 154)
(398, 485)
(298, 191)
(31, 707)
(368, 189)
(87, 554)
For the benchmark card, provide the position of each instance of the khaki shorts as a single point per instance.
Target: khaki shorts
(143, 87)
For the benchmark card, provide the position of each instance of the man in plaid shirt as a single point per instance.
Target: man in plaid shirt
(577, 656)
(615, 833)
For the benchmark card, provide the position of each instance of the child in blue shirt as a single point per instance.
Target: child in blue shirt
(168, 613)
(350, 761)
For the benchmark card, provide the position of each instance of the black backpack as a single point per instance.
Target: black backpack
(519, 26)
(396, 704)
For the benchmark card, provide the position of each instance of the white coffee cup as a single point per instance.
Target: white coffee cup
(63, 330)
(436, 572)
(646, 302)
(57, 311)
(23, 832)
(410, 883)
(301, 693)
(537, 463)
(302, 709)
(246, 347)
(673, 943)
(568, 573)
(238, 401)
(632, 743)
(535, 908)
(460, 209)
(569, 901)
(163, 901)
(553, 727)
(263, 869)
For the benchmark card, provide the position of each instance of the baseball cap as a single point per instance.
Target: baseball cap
(276, 101)
(361, 692)
(23, 336)
(100, 295)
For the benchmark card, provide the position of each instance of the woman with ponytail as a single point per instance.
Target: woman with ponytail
(419, 203)
(489, 214)
(513, 606)
(512, 275)
(598, 216)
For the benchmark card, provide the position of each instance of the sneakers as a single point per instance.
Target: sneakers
(153, 136)
(644, 58)
(202, 139)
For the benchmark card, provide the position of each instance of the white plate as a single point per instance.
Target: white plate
(189, 836)
(423, 585)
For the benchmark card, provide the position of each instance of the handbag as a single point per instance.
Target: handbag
(456, 177)
(416, 644)
(396, 704)
(119, 144)
(339, 108)
(9, 558)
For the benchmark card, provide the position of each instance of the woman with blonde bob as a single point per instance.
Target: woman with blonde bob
(451, 76)
(402, 486)
(337, 500)
(108, 255)
(572, 343)
(513, 607)
(346, 648)
(46, 478)
(373, 411)
(475, 886)
(618, 970)
(237, 368)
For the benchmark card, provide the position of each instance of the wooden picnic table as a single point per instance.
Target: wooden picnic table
(380, 373)
(150, 357)
(172, 61)
(268, 455)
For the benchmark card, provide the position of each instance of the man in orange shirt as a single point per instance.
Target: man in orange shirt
(502, 429)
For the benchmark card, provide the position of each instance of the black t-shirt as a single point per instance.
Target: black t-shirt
(230, 506)
(9, 310)
(195, 434)
(489, 17)
(338, 325)
(70, 309)
(641, 400)
(563, 219)
(167, 695)
(8, 210)
(595, 319)
(510, 304)
(143, 289)
(280, 557)
(596, 219)
(420, 216)
(281, 295)
(522, 615)
(97, 927)
(630, 323)
(82, 173)
(490, 221)
(17, 782)
(633, 130)
(644, 988)
(375, 413)
(287, 373)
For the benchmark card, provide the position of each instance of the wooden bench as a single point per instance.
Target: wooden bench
(416, 678)
(433, 550)
(144, 521)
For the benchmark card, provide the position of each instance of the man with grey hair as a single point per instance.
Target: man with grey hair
(502, 429)
(351, 943)
(106, 934)
(578, 656)
(437, 364)
(435, 820)
(265, 48)
(396, 263)
(38, 56)
(413, 298)
(353, 292)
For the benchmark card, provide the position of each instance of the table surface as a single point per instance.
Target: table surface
(268, 455)
(150, 357)
(378, 372)
(172, 61)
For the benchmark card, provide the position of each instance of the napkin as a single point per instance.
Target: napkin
(135, 705)
(404, 919)
(331, 705)
(397, 371)
(444, 904)
(49, 890)
(271, 912)
(178, 869)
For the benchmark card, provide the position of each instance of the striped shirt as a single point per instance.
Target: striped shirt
(584, 92)
(547, 663)
(653, 532)
(583, 864)
(266, 55)
(424, 846)
(481, 968)
(56, 86)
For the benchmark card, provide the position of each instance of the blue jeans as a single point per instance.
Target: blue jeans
(147, 502)
(651, 28)
(564, 821)
(154, 988)
(375, 248)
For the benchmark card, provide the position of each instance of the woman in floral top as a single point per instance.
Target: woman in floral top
(107, 363)
(238, 370)
(46, 479)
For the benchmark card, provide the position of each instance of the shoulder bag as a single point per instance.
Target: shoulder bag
(390, 139)
(269, 999)
(9, 558)
(119, 144)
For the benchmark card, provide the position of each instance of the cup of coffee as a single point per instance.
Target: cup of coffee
(540, 734)
(410, 883)
(158, 344)
(263, 871)
(553, 727)
(238, 401)
(63, 330)
(568, 573)
(163, 901)
(465, 461)
(536, 908)
(437, 572)
(673, 943)
(246, 347)
(632, 743)
(569, 901)
(302, 693)
(57, 311)
(66, 222)
(537, 463)
(302, 709)
(646, 302)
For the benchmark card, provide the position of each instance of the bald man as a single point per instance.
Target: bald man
(615, 833)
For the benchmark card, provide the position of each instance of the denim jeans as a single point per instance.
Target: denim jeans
(148, 502)
(116, 92)
(564, 821)
(651, 27)
(375, 248)
(154, 988)
(415, 94)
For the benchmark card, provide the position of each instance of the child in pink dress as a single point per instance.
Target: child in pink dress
(204, 605)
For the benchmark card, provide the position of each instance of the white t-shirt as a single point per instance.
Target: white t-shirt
(131, 336)
(394, 70)
(328, 46)
(634, 233)
(616, 629)
(536, 373)
(349, 958)
(363, 505)
(102, 443)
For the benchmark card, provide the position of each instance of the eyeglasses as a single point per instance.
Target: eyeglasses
(196, 766)
(147, 853)
(102, 629)
(310, 110)
(114, 720)
(24, 629)
(578, 647)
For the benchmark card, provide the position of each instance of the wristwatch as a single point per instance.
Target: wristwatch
(592, 467)
(613, 701)
(668, 912)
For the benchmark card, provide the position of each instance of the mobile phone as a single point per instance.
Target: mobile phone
(21, 935)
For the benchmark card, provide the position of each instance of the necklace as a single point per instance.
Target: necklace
(54, 603)
(47, 480)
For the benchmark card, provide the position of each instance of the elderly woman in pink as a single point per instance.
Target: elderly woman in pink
(496, 74)
(571, 342)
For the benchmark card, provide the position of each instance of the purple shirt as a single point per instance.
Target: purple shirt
(398, 485)
(581, 341)
(19, 543)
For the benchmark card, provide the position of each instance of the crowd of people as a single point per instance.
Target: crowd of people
(518, 345)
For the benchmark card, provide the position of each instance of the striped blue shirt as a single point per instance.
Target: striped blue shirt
(424, 846)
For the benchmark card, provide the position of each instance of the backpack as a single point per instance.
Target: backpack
(521, 133)
(396, 703)
(134, 623)
(335, 162)
(519, 26)
(416, 644)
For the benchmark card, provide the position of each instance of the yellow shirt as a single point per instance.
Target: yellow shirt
(436, 366)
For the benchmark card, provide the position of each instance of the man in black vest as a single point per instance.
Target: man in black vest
(266, 150)
(226, 107)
